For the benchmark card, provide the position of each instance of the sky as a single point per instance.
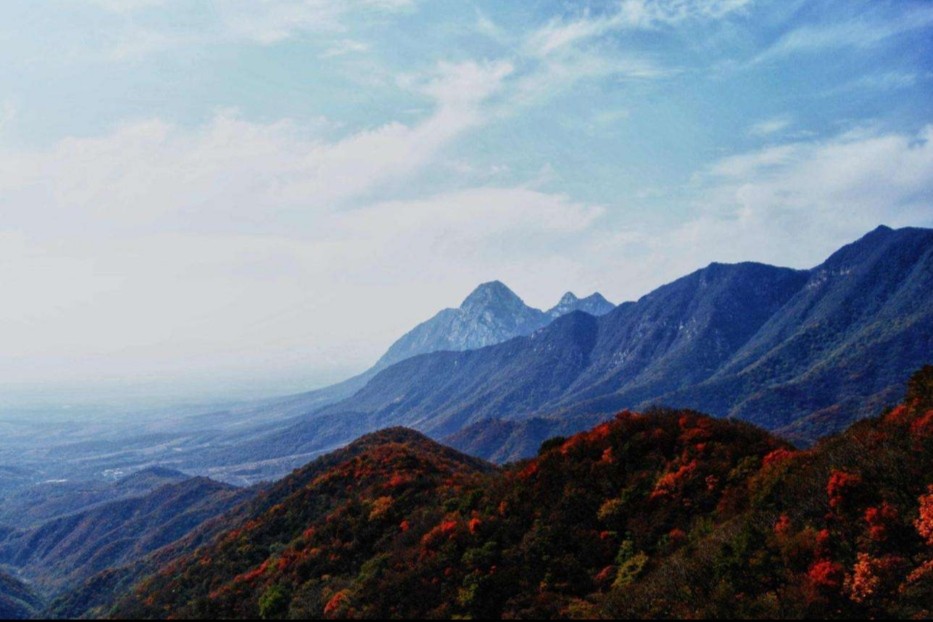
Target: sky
(243, 197)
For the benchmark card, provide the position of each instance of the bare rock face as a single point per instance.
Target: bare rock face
(491, 314)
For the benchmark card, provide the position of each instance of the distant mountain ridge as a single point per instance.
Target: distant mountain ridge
(490, 314)
(803, 352)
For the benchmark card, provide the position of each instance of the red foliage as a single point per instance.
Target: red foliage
(880, 520)
(826, 574)
(782, 526)
(672, 481)
(448, 526)
(778, 456)
(605, 575)
(253, 574)
(840, 487)
(530, 470)
(823, 539)
(898, 415)
(923, 426)
(404, 526)
(335, 602)
(474, 524)
(398, 479)
(446, 530)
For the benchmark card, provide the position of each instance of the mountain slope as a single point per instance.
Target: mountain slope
(491, 314)
(410, 503)
(802, 351)
(33, 505)
(671, 338)
(69, 549)
(669, 514)
(833, 354)
(17, 600)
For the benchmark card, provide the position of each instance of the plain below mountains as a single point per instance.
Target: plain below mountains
(801, 352)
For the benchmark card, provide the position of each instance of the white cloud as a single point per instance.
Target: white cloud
(145, 29)
(238, 245)
(560, 34)
(770, 126)
(344, 47)
(232, 168)
(775, 203)
(865, 31)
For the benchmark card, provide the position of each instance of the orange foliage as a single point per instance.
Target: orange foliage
(335, 602)
(398, 479)
(253, 574)
(870, 575)
(865, 580)
(924, 522)
(673, 480)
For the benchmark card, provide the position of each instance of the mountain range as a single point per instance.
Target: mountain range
(800, 352)
(668, 514)
(491, 314)
(73, 547)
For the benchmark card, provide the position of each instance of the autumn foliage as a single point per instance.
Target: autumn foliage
(663, 514)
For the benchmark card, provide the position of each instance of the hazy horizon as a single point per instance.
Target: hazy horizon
(209, 200)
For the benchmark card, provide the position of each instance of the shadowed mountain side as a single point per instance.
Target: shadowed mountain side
(502, 441)
(770, 345)
(42, 502)
(491, 314)
(17, 600)
(72, 548)
(689, 327)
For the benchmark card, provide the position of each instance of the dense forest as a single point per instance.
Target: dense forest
(661, 514)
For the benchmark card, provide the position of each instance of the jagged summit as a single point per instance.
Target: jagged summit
(594, 304)
(494, 294)
(491, 314)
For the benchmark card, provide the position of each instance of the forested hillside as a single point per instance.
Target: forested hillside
(663, 514)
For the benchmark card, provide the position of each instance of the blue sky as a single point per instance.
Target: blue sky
(266, 194)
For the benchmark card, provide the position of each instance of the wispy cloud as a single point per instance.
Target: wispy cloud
(628, 14)
(224, 21)
(344, 47)
(770, 126)
(864, 31)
